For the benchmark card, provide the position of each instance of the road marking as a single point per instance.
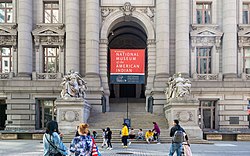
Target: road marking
(225, 145)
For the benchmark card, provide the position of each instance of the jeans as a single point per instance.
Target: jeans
(175, 147)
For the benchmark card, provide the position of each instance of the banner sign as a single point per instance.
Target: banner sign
(127, 66)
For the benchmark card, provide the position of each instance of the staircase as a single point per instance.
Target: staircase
(139, 119)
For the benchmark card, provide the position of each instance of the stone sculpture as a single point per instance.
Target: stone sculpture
(177, 87)
(73, 85)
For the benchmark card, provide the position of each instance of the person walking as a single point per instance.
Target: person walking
(52, 142)
(109, 137)
(177, 133)
(104, 138)
(125, 135)
(157, 132)
(82, 144)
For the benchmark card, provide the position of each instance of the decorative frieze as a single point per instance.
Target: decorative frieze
(206, 35)
(47, 34)
(243, 35)
(8, 35)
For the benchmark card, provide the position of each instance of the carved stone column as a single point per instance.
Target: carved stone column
(72, 35)
(25, 38)
(162, 38)
(92, 37)
(103, 69)
(229, 53)
(182, 36)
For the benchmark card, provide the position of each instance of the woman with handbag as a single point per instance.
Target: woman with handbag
(52, 143)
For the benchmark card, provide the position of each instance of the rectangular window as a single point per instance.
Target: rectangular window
(246, 61)
(245, 14)
(51, 60)
(203, 13)
(51, 12)
(5, 60)
(6, 12)
(203, 61)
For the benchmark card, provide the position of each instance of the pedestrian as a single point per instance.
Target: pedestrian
(82, 144)
(157, 132)
(149, 136)
(124, 134)
(94, 134)
(109, 137)
(177, 133)
(76, 133)
(104, 138)
(52, 142)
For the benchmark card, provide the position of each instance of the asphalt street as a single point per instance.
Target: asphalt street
(35, 148)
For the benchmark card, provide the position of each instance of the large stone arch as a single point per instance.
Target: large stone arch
(110, 21)
(118, 16)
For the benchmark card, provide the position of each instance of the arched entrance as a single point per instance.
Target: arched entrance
(127, 35)
(127, 31)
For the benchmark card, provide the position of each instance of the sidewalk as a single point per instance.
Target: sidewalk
(35, 148)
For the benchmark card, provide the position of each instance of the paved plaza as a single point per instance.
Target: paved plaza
(35, 148)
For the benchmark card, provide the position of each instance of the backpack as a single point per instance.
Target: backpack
(178, 136)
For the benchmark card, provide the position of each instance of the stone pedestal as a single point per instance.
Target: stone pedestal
(186, 111)
(71, 112)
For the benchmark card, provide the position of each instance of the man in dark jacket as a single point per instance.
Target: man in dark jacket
(176, 146)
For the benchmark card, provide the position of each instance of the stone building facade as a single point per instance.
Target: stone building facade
(206, 40)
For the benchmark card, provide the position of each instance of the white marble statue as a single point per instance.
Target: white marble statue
(73, 85)
(177, 86)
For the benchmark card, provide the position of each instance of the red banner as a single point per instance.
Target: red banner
(127, 61)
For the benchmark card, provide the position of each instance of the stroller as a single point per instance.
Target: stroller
(186, 150)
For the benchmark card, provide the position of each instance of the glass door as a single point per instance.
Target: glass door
(45, 113)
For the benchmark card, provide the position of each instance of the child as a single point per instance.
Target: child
(109, 134)
(140, 135)
(104, 138)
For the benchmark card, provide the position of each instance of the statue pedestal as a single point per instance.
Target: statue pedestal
(71, 112)
(185, 109)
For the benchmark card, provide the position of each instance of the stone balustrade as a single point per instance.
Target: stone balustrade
(207, 77)
(9, 75)
(46, 76)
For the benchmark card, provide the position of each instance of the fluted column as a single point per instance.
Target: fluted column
(162, 37)
(92, 36)
(182, 36)
(229, 54)
(72, 35)
(25, 38)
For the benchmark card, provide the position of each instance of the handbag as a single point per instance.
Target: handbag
(55, 154)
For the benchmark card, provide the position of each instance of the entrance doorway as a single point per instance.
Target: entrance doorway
(207, 115)
(46, 111)
(127, 35)
(3, 115)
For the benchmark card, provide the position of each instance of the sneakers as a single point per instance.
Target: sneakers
(110, 148)
(129, 143)
(125, 146)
